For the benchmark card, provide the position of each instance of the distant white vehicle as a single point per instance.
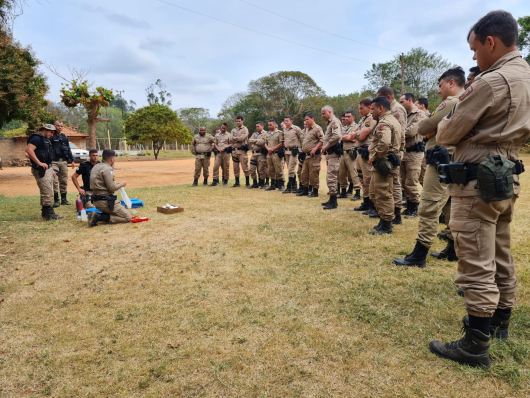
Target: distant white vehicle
(79, 154)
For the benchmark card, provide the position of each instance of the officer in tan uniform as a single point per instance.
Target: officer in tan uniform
(223, 149)
(332, 148)
(348, 162)
(274, 146)
(301, 159)
(488, 127)
(400, 114)
(258, 161)
(413, 157)
(423, 105)
(384, 158)
(292, 144)
(434, 194)
(311, 147)
(239, 141)
(103, 187)
(62, 156)
(202, 147)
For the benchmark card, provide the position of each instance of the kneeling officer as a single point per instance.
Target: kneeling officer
(103, 186)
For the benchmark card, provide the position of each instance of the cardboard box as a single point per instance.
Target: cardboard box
(160, 209)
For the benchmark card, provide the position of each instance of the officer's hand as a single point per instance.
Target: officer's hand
(54, 175)
(73, 165)
(221, 150)
(44, 166)
(269, 151)
(122, 184)
(431, 134)
(82, 192)
(371, 161)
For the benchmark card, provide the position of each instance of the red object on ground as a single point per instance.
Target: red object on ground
(78, 204)
(139, 219)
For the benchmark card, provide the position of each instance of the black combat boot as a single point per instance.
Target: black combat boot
(48, 214)
(441, 219)
(64, 201)
(350, 189)
(332, 203)
(500, 321)
(416, 258)
(366, 205)
(403, 196)
(378, 225)
(406, 212)
(254, 184)
(205, 182)
(304, 191)
(195, 182)
(294, 187)
(373, 213)
(266, 182)
(272, 186)
(397, 216)
(413, 212)
(225, 183)
(470, 350)
(447, 253)
(357, 195)
(443, 236)
(289, 186)
(461, 292)
(97, 217)
(236, 183)
(281, 185)
(343, 194)
(384, 228)
(247, 181)
(56, 202)
(214, 183)
(314, 193)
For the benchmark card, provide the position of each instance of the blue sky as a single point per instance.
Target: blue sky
(129, 44)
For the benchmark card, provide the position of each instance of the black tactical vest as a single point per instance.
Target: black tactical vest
(44, 151)
(61, 148)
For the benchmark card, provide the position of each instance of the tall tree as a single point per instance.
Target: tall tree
(163, 97)
(524, 36)
(422, 71)
(155, 124)
(121, 103)
(194, 118)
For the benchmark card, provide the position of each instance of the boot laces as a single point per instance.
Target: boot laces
(459, 343)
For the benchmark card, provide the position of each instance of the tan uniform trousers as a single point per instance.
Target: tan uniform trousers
(300, 168)
(367, 175)
(398, 193)
(410, 171)
(311, 171)
(118, 215)
(291, 161)
(275, 167)
(433, 199)
(332, 176)
(382, 190)
(240, 158)
(423, 168)
(61, 169)
(88, 204)
(258, 162)
(348, 168)
(486, 268)
(222, 159)
(45, 185)
(202, 162)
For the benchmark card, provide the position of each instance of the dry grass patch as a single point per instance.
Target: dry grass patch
(246, 293)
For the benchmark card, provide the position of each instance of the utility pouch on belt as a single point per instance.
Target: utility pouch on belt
(495, 178)
(208, 154)
(294, 151)
(229, 150)
(301, 156)
(353, 153)
(281, 153)
(244, 148)
(264, 151)
(383, 166)
(364, 152)
(455, 173)
(438, 155)
(216, 152)
(394, 159)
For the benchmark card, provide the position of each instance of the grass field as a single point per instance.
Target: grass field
(246, 293)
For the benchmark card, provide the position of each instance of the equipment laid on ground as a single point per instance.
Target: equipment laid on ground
(135, 203)
(91, 211)
(169, 209)
(139, 219)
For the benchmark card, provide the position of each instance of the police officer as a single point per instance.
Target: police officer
(84, 170)
(413, 157)
(274, 146)
(223, 149)
(292, 144)
(103, 187)
(332, 148)
(258, 161)
(488, 127)
(348, 162)
(423, 105)
(40, 152)
(384, 158)
(301, 159)
(239, 140)
(400, 114)
(202, 147)
(473, 72)
(62, 156)
(434, 194)
(312, 142)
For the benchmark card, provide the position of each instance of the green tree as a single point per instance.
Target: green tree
(422, 71)
(524, 36)
(155, 124)
(194, 118)
(121, 103)
(163, 97)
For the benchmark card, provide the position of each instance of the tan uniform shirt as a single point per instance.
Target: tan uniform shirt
(201, 143)
(400, 114)
(102, 179)
(333, 132)
(292, 137)
(274, 138)
(411, 134)
(386, 136)
(346, 130)
(496, 109)
(257, 140)
(312, 137)
(222, 140)
(239, 137)
(366, 122)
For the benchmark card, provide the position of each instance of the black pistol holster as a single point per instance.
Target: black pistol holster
(438, 155)
(109, 198)
(394, 159)
(383, 166)
(294, 151)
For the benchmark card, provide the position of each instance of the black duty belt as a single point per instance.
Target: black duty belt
(449, 172)
(258, 151)
(104, 197)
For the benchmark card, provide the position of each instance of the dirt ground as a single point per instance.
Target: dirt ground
(16, 181)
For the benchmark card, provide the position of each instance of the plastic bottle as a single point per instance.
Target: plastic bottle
(78, 204)
(83, 215)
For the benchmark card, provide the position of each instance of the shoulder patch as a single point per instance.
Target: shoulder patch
(466, 93)
(397, 116)
(381, 127)
(415, 119)
(441, 106)
(367, 124)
